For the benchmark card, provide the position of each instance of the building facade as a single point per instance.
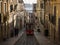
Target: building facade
(52, 19)
(8, 14)
(40, 14)
(49, 18)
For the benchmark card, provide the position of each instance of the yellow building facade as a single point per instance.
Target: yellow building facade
(40, 14)
(4, 11)
(52, 19)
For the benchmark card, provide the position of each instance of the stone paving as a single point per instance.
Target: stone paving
(27, 40)
(22, 39)
(13, 40)
(43, 40)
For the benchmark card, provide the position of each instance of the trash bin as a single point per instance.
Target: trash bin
(46, 33)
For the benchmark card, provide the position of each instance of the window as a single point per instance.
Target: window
(54, 14)
(42, 5)
(0, 11)
(4, 18)
(4, 7)
(6, 0)
(54, 10)
(53, 0)
(45, 0)
(59, 28)
(52, 17)
(15, 7)
(0, 18)
(11, 8)
(49, 16)
(0, 6)
(0, 0)
(20, 1)
(34, 7)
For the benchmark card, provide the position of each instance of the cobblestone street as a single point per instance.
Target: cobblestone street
(27, 40)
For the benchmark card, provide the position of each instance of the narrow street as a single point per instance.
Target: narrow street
(40, 19)
(27, 40)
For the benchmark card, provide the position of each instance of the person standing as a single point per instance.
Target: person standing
(16, 31)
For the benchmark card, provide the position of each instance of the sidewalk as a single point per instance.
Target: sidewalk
(43, 40)
(12, 40)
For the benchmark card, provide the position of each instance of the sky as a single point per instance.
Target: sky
(28, 4)
(29, 7)
(30, 1)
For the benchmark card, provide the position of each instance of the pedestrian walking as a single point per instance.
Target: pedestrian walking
(16, 31)
(38, 29)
